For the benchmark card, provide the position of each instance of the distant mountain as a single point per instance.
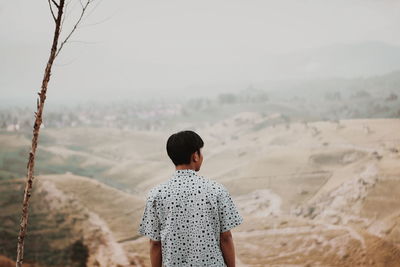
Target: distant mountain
(337, 60)
(351, 60)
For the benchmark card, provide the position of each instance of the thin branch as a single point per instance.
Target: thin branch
(96, 23)
(74, 28)
(83, 42)
(71, 8)
(65, 15)
(52, 12)
(36, 128)
(38, 117)
(55, 3)
(65, 64)
(94, 8)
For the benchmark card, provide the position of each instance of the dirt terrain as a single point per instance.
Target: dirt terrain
(311, 194)
(317, 194)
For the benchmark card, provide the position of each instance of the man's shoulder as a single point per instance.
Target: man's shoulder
(213, 185)
(156, 190)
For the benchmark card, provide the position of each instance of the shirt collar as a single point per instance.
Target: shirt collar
(185, 172)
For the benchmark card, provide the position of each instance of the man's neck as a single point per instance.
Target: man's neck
(185, 167)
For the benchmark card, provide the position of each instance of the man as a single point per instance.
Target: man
(188, 218)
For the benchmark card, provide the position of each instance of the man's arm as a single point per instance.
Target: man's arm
(155, 253)
(227, 248)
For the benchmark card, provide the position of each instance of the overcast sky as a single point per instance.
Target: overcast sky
(137, 49)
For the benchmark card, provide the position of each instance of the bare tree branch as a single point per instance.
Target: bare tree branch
(68, 8)
(52, 12)
(38, 117)
(74, 28)
(83, 42)
(95, 23)
(94, 8)
(65, 15)
(55, 3)
(66, 63)
(36, 128)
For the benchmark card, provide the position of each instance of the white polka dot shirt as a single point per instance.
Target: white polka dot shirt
(187, 213)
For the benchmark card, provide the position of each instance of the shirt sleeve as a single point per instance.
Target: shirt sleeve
(229, 216)
(150, 224)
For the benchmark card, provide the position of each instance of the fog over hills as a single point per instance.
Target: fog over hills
(336, 60)
(347, 61)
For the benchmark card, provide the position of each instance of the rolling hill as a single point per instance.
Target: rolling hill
(312, 194)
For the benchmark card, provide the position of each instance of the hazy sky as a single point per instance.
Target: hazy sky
(135, 49)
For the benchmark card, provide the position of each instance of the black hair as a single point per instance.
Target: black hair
(181, 146)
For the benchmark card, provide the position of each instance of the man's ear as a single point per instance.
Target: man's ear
(195, 157)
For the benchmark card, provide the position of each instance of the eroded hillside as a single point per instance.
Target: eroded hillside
(311, 194)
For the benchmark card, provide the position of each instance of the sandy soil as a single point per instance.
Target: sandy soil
(316, 194)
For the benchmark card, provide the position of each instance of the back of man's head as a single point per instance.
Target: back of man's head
(181, 146)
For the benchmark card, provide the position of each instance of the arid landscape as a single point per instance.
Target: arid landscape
(297, 102)
(313, 192)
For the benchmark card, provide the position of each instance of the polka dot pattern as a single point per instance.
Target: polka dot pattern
(187, 213)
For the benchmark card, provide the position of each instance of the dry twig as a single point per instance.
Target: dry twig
(55, 50)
